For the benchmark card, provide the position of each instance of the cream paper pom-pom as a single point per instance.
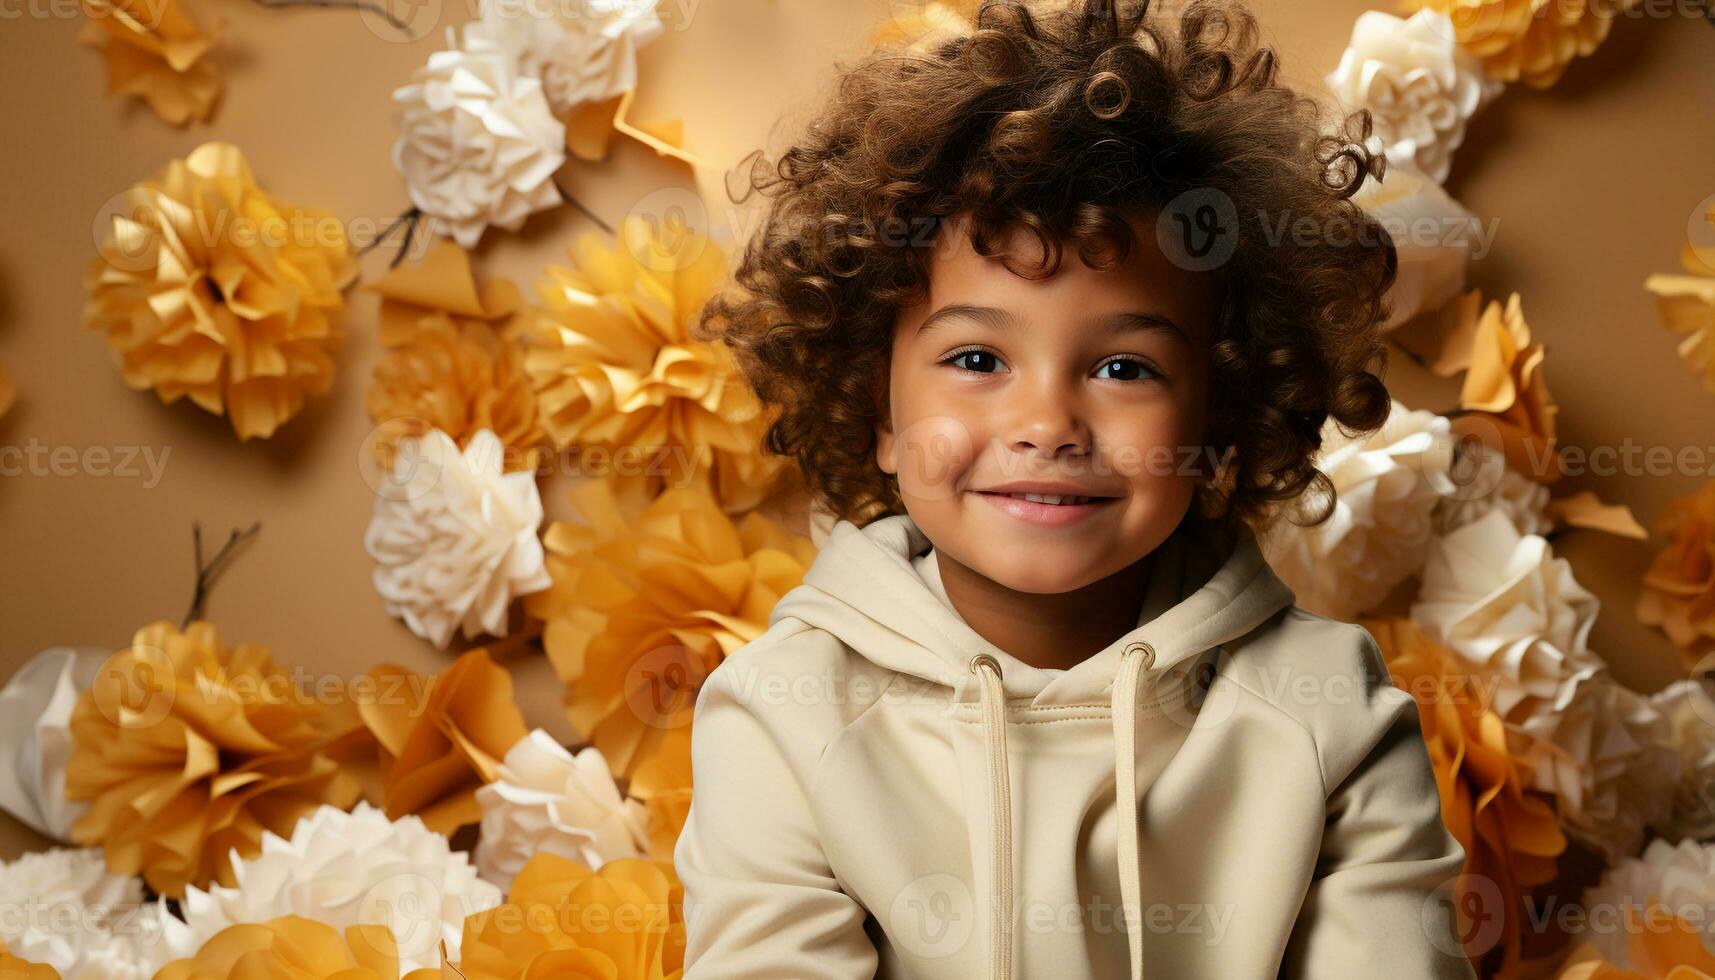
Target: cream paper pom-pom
(1509, 608)
(1431, 266)
(1378, 535)
(35, 736)
(1680, 877)
(581, 56)
(547, 799)
(478, 144)
(65, 909)
(454, 537)
(347, 869)
(1494, 486)
(1689, 707)
(1603, 752)
(1420, 86)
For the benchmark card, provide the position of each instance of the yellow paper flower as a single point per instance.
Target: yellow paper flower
(1687, 304)
(663, 784)
(648, 597)
(1505, 397)
(208, 287)
(442, 737)
(620, 378)
(292, 947)
(13, 968)
(1528, 40)
(562, 920)
(440, 289)
(187, 749)
(1510, 836)
(156, 51)
(1660, 946)
(1679, 588)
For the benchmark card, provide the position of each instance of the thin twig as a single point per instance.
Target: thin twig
(409, 215)
(410, 234)
(374, 8)
(206, 573)
(574, 202)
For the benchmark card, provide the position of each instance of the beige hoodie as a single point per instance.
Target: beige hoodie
(882, 792)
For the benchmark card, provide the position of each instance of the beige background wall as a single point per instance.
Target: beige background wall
(1592, 185)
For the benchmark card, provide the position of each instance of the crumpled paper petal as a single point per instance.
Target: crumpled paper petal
(35, 736)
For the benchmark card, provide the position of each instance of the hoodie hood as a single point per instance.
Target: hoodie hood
(866, 587)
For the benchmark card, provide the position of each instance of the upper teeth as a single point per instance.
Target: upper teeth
(1049, 498)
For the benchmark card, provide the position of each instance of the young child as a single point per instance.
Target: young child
(1040, 708)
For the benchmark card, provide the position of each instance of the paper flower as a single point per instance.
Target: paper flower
(1528, 40)
(17, 968)
(459, 379)
(617, 371)
(187, 750)
(648, 597)
(1509, 834)
(1507, 606)
(442, 738)
(1677, 877)
(67, 911)
(544, 799)
(1687, 306)
(1420, 86)
(1679, 588)
(454, 538)
(208, 287)
(349, 869)
(35, 736)
(477, 145)
(1660, 946)
(155, 51)
(297, 948)
(1431, 267)
(1606, 755)
(1689, 707)
(1386, 487)
(662, 783)
(645, 895)
(1506, 398)
(1489, 484)
(442, 288)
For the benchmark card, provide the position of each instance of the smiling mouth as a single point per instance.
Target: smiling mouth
(1055, 499)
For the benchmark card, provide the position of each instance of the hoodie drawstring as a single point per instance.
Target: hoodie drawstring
(1134, 660)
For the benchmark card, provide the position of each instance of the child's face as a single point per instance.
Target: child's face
(1095, 380)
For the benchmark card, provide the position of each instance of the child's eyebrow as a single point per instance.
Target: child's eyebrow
(1004, 320)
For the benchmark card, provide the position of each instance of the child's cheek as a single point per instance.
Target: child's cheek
(933, 453)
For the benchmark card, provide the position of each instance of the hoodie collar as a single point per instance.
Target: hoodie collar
(863, 588)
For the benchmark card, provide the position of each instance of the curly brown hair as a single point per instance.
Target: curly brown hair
(1062, 121)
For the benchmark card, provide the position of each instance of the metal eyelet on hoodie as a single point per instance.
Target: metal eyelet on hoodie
(993, 692)
(1136, 658)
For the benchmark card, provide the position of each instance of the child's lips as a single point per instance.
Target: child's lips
(1051, 515)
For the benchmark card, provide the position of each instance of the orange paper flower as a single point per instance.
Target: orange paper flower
(1660, 946)
(648, 597)
(1510, 837)
(1528, 40)
(1687, 303)
(617, 371)
(624, 922)
(442, 737)
(187, 750)
(208, 287)
(663, 784)
(1679, 588)
(1505, 395)
(156, 51)
(295, 948)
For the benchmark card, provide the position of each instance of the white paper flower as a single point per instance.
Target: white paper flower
(35, 742)
(1690, 711)
(1680, 877)
(583, 53)
(1493, 486)
(547, 799)
(454, 538)
(1434, 235)
(1604, 754)
(65, 909)
(478, 145)
(1506, 605)
(1379, 532)
(347, 869)
(1420, 86)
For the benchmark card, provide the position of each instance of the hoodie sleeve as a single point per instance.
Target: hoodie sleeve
(1378, 903)
(761, 902)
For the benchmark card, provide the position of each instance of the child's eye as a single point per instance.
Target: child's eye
(977, 361)
(1127, 369)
